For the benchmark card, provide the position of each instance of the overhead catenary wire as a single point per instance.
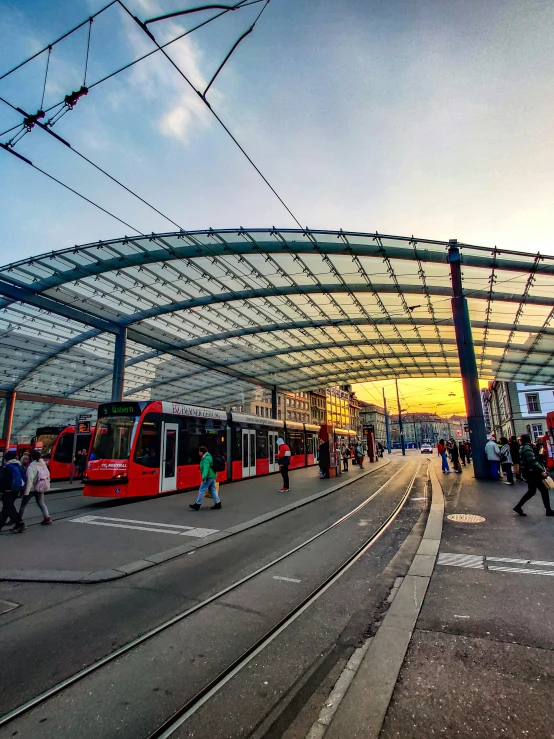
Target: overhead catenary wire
(216, 116)
(45, 76)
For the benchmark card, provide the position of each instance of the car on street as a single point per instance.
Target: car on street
(426, 449)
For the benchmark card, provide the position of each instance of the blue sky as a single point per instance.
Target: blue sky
(431, 117)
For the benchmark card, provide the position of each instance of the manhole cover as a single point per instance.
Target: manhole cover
(465, 518)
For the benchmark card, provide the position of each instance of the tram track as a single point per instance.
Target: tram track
(178, 718)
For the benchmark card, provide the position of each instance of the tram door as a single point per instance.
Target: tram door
(168, 471)
(248, 452)
(272, 450)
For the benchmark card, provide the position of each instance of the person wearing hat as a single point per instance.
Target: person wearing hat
(283, 458)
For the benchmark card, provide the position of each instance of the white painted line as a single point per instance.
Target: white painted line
(286, 579)
(160, 528)
(457, 616)
(419, 498)
(511, 561)
(133, 520)
(474, 561)
(521, 570)
(539, 563)
(125, 526)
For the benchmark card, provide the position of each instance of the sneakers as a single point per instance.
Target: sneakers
(195, 506)
(46, 521)
(283, 490)
(217, 506)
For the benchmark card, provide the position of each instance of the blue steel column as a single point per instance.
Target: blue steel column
(8, 416)
(274, 402)
(387, 427)
(468, 365)
(118, 381)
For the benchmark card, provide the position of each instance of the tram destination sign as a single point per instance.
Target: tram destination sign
(118, 409)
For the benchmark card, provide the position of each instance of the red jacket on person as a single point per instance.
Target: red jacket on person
(283, 455)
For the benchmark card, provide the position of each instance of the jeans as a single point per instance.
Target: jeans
(345, 464)
(284, 469)
(206, 485)
(507, 468)
(39, 497)
(445, 467)
(495, 468)
(535, 482)
(8, 508)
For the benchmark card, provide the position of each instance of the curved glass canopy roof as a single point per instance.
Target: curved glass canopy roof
(214, 317)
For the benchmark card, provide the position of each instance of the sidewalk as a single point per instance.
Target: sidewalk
(95, 540)
(480, 661)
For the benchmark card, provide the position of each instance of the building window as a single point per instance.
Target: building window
(537, 430)
(533, 404)
(279, 415)
(257, 410)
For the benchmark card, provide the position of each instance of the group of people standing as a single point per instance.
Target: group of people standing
(459, 453)
(522, 460)
(23, 478)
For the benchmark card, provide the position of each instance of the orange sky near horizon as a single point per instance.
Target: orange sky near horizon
(441, 395)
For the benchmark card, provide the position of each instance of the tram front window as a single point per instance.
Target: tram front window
(114, 436)
(45, 442)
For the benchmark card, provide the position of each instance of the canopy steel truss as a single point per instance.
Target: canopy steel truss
(217, 316)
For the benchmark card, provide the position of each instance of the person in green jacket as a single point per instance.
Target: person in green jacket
(534, 474)
(209, 476)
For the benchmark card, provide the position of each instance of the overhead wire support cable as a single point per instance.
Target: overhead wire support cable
(45, 76)
(88, 50)
(57, 41)
(222, 124)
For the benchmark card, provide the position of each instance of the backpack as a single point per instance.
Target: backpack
(18, 478)
(42, 480)
(218, 464)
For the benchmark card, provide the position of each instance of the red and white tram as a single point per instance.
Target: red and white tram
(148, 448)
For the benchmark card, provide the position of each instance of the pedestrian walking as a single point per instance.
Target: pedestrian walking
(506, 461)
(462, 452)
(514, 453)
(209, 477)
(38, 483)
(283, 458)
(441, 449)
(345, 451)
(492, 450)
(534, 474)
(455, 456)
(12, 484)
(468, 452)
(380, 449)
(25, 459)
(80, 463)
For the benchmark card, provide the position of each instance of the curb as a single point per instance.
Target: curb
(360, 699)
(99, 576)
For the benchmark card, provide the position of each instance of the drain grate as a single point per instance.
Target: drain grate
(465, 518)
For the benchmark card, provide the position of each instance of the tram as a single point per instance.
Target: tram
(147, 448)
(56, 446)
(548, 441)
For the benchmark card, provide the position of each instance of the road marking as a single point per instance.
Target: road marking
(481, 562)
(153, 526)
(286, 579)
(7, 605)
(419, 498)
(457, 616)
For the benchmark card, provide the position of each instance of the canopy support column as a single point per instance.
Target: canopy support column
(468, 365)
(274, 402)
(118, 381)
(8, 416)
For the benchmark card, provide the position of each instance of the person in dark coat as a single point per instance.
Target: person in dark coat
(534, 473)
(324, 458)
(455, 455)
(514, 453)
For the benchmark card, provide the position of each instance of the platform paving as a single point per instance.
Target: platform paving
(480, 660)
(96, 540)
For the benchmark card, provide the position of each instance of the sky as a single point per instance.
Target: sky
(425, 117)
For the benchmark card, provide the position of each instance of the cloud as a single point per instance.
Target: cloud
(158, 82)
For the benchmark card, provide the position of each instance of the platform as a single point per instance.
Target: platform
(95, 540)
(480, 661)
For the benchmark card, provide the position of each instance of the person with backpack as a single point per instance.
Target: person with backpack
(506, 461)
(209, 477)
(12, 484)
(283, 458)
(534, 474)
(38, 483)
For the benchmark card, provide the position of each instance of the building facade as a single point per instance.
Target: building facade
(374, 415)
(318, 406)
(515, 408)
